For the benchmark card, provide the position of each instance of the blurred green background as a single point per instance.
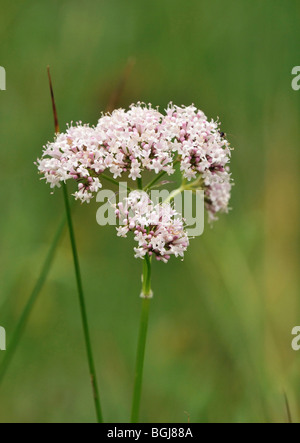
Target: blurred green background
(219, 347)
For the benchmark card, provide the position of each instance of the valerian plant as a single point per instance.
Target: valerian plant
(129, 144)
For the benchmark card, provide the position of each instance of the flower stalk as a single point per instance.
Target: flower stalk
(79, 280)
(146, 295)
(156, 179)
(83, 309)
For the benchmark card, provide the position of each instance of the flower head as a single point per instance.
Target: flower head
(204, 153)
(135, 141)
(143, 139)
(158, 229)
(75, 154)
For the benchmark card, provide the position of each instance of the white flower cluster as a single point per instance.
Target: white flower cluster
(142, 138)
(204, 151)
(76, 154)
(158, 229)
(135, 141)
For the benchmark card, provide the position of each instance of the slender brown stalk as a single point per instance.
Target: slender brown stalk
(117, 93)
(17, 335)
(82, 305)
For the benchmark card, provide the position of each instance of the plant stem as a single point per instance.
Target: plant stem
(139, 183)
(115, 182)
(288, 409)
(146, 295)
(32, 299)
(174, 193)
(78, 276)
(83, 308)
(157, 178)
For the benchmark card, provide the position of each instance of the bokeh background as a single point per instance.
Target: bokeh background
(219, 347)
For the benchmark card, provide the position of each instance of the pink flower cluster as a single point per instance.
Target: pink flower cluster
(158, 229)
(136, 141)
(204, 152)
(131, 142)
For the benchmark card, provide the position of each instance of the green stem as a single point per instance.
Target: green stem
(83, 308)
(147, 295)
(139, 183)
(157, 178)
(115, 182)
(174, 193)
(16, 337)
(78, 276)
